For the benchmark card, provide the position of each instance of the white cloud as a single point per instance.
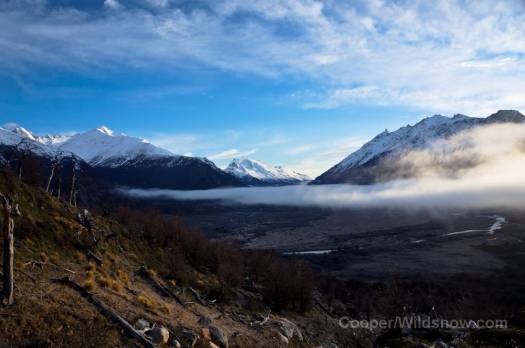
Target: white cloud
(231, 153)
(177, 143)
(319, 157)
(441, 56)
(298, 149)
(112, 4)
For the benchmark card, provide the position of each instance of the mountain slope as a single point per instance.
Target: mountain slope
(374, 161)
(254, 172)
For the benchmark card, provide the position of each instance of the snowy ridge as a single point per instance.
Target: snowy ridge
(248, 168)
(393, 145)
(420, 135)
(13, 135)
(103, 147)
(407, 138)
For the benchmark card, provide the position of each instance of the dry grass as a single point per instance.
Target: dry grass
(116, 286)
(123, 276)
(44, 257)
(91, 267)
(54, 258)
(146, 301)
(80, 257)
(165, 308)
(89, 284)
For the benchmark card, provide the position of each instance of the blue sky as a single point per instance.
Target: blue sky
(300, 83)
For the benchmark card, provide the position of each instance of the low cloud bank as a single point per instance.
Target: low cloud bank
(479, 168)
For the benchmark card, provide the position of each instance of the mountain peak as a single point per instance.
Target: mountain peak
(17, 129)
(105, 130)
(507, 116)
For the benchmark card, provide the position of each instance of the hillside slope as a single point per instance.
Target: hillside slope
(193, 302)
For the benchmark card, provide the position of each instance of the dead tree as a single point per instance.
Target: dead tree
(56, 162)
(10, 211)
(24, 150)
(72, 189)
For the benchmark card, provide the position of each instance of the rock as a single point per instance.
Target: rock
(204, 321)
(283, 338)
(142, 324)
(189, 335)
(218, 336)
(440, 344)
(158, 335)
(288, 329)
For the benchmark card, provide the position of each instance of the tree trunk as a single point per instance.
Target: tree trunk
(10, 211)
(72, 189)
(50, 179)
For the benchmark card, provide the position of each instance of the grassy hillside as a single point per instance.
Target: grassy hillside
(208, 279)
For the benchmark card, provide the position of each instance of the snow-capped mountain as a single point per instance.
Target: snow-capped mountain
(254, 172)
(369, 163)
(105, 148)
(122, 160)
(12, 135)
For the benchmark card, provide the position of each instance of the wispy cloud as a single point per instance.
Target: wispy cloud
(298, 149)
(313, 160)
(178, 143)
(446, 55)
(231, 153)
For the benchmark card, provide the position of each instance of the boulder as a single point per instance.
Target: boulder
(440, 344)
(283, 338)
(288, 329)
(142, 324)
(158, 335)
(218, 337)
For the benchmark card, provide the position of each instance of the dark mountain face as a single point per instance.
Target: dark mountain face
(378, 160)
(177, 173)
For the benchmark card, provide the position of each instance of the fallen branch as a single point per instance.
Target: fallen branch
(87, 249)
(106, 310)
(27, 275)
(263, 321)
(199, 298)
(41, 264)
(163, 289)
(89, 253)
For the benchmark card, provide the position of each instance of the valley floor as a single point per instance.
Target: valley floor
(373, 244)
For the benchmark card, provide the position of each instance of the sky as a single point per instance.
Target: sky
(300, 83)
